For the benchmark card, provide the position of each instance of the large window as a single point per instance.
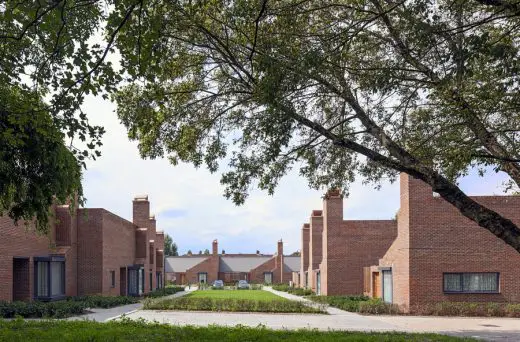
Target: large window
(203, 277)
(268, 277)
(49, 278)
(471, 282)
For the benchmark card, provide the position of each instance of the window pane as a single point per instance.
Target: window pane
(480, 282)
(42, 279)
(452, 282)
(57, 281)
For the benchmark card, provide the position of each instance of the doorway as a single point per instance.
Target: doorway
(21, 287)
(387, 286)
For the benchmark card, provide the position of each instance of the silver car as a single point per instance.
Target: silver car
(218, 284)
(242, 284)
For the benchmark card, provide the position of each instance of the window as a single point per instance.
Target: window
(49, 277)
(112, 278)
(471, 282)
(203, 277)
(268, 277)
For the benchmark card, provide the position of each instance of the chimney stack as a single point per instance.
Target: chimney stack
(280, 247)
(215, 247)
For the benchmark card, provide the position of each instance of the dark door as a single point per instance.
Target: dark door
(21, 287)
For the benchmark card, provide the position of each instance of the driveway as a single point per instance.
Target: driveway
(492, 329)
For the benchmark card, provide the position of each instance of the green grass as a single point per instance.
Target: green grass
(77, 331)
(236, 294)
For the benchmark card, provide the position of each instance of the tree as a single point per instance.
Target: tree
(47, 67)
(206, 251)
(170, 247)
(189, 252)
(297, 253)
(338, 89)
(200, 252)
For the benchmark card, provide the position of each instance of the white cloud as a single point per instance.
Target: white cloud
(189, 205)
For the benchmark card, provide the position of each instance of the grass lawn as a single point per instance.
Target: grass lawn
(235, 294)
(19, 330)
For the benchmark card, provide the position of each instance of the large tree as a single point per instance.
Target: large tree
(337, 89)
(49, 62)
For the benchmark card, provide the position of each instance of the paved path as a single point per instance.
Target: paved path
(103, 315)
(492, 329)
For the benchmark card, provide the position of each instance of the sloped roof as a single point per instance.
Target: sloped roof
(241, 263)
(291, 263)
(182, 263)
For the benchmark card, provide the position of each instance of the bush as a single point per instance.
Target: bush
(167, 291)
(377, 306)
(104, 302)
(59, 309)
(256, 286)
(347, 303)
(234, 305)
(468, 309)
(292, 290)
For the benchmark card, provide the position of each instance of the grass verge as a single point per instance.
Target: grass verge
(235, 294)
(126, 330)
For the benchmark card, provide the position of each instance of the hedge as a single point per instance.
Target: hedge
(105, 302)
(166, 291)
(233, 305)
(468, 309)
(347, 303)
(58, 309)
(292, 290)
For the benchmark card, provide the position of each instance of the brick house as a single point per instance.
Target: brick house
(256, 268)
(87, 251)
(440, 255)
(430, 253)
(338, 249)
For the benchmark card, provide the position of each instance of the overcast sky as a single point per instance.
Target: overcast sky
(189, 205)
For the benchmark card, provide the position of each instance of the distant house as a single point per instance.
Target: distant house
(259, 268)
(92, 251)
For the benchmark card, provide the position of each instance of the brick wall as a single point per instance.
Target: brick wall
(315, 246)
(304, 253)
(209, 265)
(19, 241)
(90, 251)
(349, 246)
(67, 228)
(118, 251)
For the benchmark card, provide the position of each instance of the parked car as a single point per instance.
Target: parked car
(218, 284)
(242, 284)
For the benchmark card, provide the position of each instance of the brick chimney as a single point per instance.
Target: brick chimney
(141, 211)
(332, 221)
(215, 247)
(280, 247)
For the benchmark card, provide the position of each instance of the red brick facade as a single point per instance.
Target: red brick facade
(96, 248)
(407, 261)
(435, 239)
(211, 266)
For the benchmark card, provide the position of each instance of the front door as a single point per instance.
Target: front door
(318, 283)
(387, 286)
(376, 285)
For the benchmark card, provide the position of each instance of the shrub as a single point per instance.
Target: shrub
(234, 305)
(167, 291)
(376, 306)
(347, 303)
(468, 309)
(59, 309)
(298, 291)
(256, 286)
(105, 302)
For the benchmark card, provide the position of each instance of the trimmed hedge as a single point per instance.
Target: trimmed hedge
(60, 309)
(468, 309)
(347, 303)
(233, 305)
(376, 306)
(103, 302)
(292, 290)
(166, 291)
